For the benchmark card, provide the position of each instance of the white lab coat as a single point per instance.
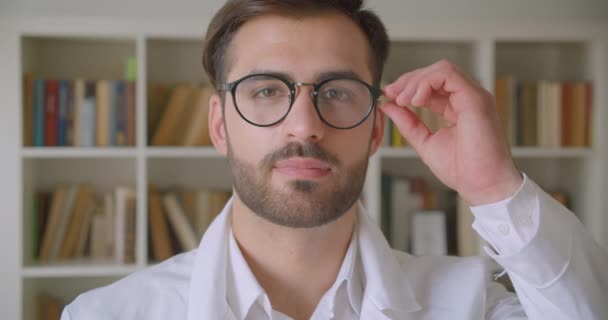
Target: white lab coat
(558, 274)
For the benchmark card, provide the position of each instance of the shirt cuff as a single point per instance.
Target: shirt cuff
(530, 232)
(508, 225)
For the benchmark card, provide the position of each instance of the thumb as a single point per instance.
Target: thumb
(410, 126)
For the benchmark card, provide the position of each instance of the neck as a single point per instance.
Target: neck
(294, 266)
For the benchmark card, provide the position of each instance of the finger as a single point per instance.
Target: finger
(429, 97)
(410, 88)
(399, 85)
(409, 125)
(394, 89)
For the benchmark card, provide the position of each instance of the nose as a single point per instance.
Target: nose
(303, 123)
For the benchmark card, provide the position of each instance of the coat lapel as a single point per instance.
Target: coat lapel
(388, 292)
(207, 296)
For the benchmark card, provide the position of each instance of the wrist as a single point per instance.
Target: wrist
(503, 189)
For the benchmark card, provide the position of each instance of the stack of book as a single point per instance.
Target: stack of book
(178, 219)
(545, 113)
(71, 223)
(178, 115)
(48, 307)
(79, 113)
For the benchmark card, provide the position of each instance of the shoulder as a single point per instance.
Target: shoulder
(158, 292)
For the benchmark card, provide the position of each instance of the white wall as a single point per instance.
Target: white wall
(393, 11)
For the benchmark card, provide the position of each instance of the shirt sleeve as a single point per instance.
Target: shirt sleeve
(554, 264)
(508, 225)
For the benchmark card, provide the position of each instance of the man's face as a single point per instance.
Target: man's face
(299, 172)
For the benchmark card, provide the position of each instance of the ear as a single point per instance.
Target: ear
(377, 131)
(217, 129)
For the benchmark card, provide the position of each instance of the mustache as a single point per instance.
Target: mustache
(297, 149)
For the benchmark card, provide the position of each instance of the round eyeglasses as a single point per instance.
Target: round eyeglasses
(265, 99)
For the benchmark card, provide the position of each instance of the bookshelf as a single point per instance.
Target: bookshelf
(169, 50)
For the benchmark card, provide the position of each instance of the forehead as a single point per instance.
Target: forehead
(302, 48)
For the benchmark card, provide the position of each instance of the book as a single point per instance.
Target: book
(39, 111)
(179, 222)
(528, 115)
(197, 133)
(131, 229)
(157, 97)
(81, 209)
(57, 203)
(102, 136)
(86, 230)
(28, 109)
(77, 109)
(63, 106)
(51, 113)
(109, 225)
(122, 196)
(64, 220)
(119, 126)
(170, 119)
(188, 201)
(186, 118)
(88, 115)
(159, 230)
(468, 240)
(403, 202)
(97, 244)
(131, 115)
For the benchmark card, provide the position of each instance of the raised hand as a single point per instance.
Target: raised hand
(472, 155)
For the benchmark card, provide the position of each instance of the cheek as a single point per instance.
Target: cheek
(249, 143)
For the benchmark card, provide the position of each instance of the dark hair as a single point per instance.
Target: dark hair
(235, 13)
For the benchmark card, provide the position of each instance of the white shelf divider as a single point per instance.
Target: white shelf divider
(71, 152)
(83, 270)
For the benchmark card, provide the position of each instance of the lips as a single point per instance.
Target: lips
(302, 168)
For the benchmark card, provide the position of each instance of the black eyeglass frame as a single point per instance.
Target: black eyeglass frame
(231, 87)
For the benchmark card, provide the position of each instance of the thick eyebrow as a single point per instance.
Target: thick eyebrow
(318, 77)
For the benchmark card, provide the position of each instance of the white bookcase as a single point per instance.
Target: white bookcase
(169, 50)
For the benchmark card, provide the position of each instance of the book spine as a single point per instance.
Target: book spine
(39, 94)
(50, 114)
(63, 106)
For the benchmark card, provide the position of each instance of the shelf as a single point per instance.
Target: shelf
(183, 152)
(70, 152)
(518, 152)
(528, 152)
(77, 270)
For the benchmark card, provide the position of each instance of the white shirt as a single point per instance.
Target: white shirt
(556, 268)
(249, 301)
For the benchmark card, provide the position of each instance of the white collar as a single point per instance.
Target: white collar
(384, 280)
(242, 294)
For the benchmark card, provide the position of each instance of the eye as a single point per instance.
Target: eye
(334, 94)
(266, 92)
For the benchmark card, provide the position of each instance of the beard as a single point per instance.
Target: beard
(305, 203)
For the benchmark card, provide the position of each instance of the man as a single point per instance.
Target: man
(295, 114)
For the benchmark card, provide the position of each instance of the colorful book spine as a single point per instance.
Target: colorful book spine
(63, 106)
(39, 95)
